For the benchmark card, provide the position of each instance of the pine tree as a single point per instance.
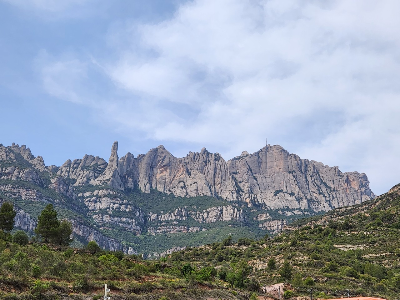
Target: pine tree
(64, 233)
(48, 225)
(286, 271)
(7, 216)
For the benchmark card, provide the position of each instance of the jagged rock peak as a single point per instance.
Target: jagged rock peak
(111, 174)
(113, 161)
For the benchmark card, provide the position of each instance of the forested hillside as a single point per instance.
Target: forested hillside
(353, 251)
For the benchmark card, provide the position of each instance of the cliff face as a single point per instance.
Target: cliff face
(261, 191)
(271, 177)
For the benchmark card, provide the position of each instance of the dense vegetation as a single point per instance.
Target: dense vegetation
(352, 251)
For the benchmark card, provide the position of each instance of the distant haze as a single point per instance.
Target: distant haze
(320, 78)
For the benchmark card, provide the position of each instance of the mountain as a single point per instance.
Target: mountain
(350, 251)
(156, 202)
(346, 252)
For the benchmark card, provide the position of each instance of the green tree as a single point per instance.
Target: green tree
(20, 237)
(288, 294)
(271, 263)
(7, 215)
(309, 281)
(48, 225)
(187, 269)
(93, 247)
(64, 233)
(227, 241)
(286, 271)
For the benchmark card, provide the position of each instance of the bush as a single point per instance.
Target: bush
(244, 242)
(222, 274)
(288, 294)
(119, 254)
(39, 288)
(254, 296)
(253, 285)
(286, 271)
(68, 253)
(21, 238)
(271, 263)
(227, 241)
(93, 247)
(206, 273)
(350, 272)
(309, 281)
(108, 258)
(36, 271)
(81, 285)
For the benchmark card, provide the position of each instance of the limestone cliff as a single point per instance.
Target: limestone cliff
(271, 177)
(117, 204)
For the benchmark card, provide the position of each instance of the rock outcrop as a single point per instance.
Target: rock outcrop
(271, 177)
(263, 190)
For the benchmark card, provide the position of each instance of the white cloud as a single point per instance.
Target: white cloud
(63, 78)
(319, 78)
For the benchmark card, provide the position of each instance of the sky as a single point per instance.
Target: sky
(319, 78)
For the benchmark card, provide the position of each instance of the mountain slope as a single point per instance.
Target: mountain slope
(346, 252)
(155, 202)
(351, 251)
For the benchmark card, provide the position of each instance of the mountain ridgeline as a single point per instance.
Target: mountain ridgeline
(156, 202)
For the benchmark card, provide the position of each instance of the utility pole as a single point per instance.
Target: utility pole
(279, 291)
(106, 291)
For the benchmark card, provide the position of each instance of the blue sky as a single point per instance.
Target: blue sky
(320, 78)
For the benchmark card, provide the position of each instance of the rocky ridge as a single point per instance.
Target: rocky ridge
(260, 190)
(271, 177)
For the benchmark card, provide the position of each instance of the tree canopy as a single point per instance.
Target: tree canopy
(51, 230)
(7, 216)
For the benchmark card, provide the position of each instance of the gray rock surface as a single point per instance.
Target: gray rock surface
(258, 188)
(271, 177)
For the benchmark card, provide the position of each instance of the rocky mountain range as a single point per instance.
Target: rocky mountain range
(138, 203)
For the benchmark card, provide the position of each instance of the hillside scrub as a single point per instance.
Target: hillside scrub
(351, 251)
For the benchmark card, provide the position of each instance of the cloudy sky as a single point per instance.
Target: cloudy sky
(319, 78)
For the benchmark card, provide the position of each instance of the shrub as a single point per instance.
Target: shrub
(244, 242)
(253, 285)
(288, 294)
(350, 272)
(271, 263)
(309, 281)
(93, 247)
(206, 273)
(222, 274)
(119, 254)
(36, 271)
(227, 241)
(39, 288)
(286, 271)
(108, 258)
(21, 238)
(81, 285)
(68, 253)
(254, 296)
